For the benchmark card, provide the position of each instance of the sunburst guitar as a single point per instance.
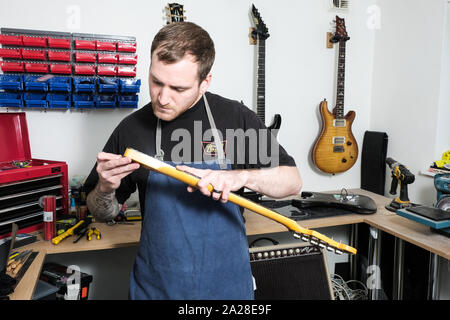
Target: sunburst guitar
(336, 149)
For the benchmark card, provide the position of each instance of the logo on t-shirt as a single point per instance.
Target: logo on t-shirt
(210, 149)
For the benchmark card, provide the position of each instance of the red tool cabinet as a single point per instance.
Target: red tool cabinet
(23, 180)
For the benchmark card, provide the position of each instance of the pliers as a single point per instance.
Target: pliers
(93, 230)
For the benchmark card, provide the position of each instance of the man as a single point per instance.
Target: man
(193, 244)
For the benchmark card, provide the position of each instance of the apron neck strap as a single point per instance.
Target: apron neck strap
(220, 154)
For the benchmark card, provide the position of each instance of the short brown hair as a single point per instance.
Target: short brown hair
(177, 39)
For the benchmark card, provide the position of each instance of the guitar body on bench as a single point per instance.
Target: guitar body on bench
(336, 149)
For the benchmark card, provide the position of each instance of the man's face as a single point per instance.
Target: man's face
(174, 87)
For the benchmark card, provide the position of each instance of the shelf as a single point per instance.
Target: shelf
(34, 41)
(36, 67)
(10, 53)
(126, 47)
(59, 43)
(61, 68)
(58, 55)
(34, 54)
(105, 46)
(12, 66)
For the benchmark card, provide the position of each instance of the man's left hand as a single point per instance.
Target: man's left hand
(223, 181)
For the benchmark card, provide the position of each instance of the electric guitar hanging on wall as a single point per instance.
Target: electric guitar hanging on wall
(174, 13)
(259, 34)
(336, 149)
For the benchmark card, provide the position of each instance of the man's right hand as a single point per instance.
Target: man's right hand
(111, 168)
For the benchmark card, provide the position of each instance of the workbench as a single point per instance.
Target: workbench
(128, 235)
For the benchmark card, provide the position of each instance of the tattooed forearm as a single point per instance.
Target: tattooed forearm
(103, 206)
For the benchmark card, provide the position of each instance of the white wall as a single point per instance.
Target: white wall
(300, 71)
(406, 86)
(410, 96)
(442, 128)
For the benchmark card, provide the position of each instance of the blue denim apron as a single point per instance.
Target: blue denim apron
(191, 246)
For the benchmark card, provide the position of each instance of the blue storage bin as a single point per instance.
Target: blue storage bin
(60, 84)
(84, 84)
(83, 101)
(129, 101)
(35, 100)
(108, 85)
(11, 99)
(105, 101)
(59, 100)
(130, 85)
(31, 83)
(11, 82)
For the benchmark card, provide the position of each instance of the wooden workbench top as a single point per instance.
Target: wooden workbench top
(127, 235)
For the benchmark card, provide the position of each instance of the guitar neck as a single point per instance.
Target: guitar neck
(261, 81)
(340, 81)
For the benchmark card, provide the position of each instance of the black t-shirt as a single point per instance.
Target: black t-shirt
(246, 141)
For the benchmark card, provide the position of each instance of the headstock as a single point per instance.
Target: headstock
(260, 31)
(175, 13)
(341, 32)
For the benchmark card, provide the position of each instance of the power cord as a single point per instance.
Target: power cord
(343, 292)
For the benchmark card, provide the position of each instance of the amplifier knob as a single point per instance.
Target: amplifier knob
(266, 254)
(278, 253)
(284, 252)
(291, 252)
(259, 255)
(272, 254)
(297, 251)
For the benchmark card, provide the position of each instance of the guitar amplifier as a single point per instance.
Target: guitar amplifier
(290, 272)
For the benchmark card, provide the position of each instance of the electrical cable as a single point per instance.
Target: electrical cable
(342, 291)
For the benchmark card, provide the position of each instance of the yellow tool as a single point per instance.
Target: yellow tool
(95, 231)
(312, 236)
(68, 233)
(445, 160)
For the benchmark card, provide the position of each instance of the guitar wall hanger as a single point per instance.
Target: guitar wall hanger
(332, 39)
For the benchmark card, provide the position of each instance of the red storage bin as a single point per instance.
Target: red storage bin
(85, 44)
(10, 53)
(34, 54)
(36, 67)
(127, 59)
(85, 56)
(84, 69)
(106, 70)
(11, 40)
(126, 71)
(126, 47)
(107, 58)
(61, 68)
(12, 66)
(59, 43)
(58, 55)
(34, 41)
(105, 46)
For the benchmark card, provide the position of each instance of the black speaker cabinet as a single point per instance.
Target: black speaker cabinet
(290, 272)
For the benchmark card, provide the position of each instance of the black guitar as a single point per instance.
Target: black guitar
(260, 33)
